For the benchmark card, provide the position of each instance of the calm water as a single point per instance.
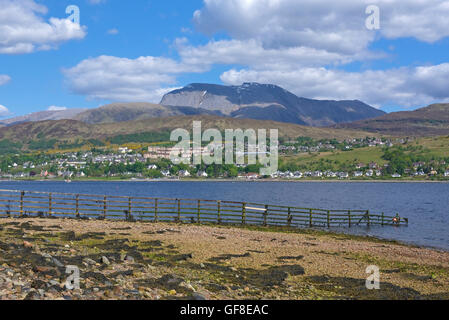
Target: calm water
(425, 204)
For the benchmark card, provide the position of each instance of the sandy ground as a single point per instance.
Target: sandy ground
(219, 262)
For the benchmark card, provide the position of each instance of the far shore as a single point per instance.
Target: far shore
(229, 180)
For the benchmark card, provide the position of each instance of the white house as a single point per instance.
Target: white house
(184, 173)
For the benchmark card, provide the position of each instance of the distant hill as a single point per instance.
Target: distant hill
(73, 130)
(268, 102)
(429, 121)
(122, 112)
(42, 116)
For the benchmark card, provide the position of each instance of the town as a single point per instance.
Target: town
(153, 162)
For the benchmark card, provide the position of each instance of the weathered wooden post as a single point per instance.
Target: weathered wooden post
(328, 219)
(265, 216)
(21, 203)
(179, 210)
(289, 217)
(199, 211)
(219, 212)
(155, 210)
(49, 204)
(130, 208)
(77, 206)
(243, 213)
(105, 207)
(311, 218)
(349, 218)
(368, 218)
(383, 216)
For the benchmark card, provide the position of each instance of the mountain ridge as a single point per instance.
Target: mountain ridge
(432, 120)
(268, 102)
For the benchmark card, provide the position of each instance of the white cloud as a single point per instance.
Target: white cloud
(337, 26)
(4, 79)
(23, 30)
(96, 1)
(122, 79)
(4, 111)
(296, 44)
(405, 86)
(113, 31)
(56, 108)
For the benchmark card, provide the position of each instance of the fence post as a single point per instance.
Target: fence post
(289, 218)
(21, 203)
(219, 211)
(155, 210)
(265, 216)
(368, 217)
(49, 204)
(349, 216)
(130, 208)
(105, 207)
(179, 210)
(77, 206)
(328, 219)
(199, 211)
(383, 216)
(243, 213)
(311, 218)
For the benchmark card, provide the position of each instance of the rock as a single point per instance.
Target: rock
(105, 260)
(58, 263)
(198, 297)
(89, 261)
(202, 266)
(47, 256)
(33, 295)
(42, 269)
(27, 244)
(129, 259)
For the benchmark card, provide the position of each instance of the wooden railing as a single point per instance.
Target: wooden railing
(15, 203)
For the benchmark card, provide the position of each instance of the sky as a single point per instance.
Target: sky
(393, 56)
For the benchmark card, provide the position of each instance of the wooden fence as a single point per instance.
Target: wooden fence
(15, 203)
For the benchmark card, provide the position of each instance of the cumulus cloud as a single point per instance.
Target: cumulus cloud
(24, 30)
(4, 111)
(4, 79)
(56, 108)
(337, 26)
(408, 86)
(122, 79)
(300, 45)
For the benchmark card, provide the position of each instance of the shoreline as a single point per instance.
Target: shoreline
(230, 180)
(152, 261)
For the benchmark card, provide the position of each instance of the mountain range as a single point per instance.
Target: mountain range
(248, 101)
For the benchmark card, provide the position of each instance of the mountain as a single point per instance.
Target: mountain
(42, 116)
(268, 102)
(429, 121)
(122, 112)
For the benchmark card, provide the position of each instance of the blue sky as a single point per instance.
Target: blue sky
(137, 50)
